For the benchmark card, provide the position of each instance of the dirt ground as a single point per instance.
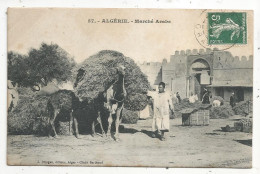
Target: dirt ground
(186, 146)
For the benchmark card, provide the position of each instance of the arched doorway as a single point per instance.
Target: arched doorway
(199, 77)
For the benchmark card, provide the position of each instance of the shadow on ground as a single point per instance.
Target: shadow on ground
(148, 133)
(245, 142)
(123, 129)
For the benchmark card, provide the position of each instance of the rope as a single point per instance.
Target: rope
(119, 101)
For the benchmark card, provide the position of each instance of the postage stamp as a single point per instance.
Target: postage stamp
(227, 28)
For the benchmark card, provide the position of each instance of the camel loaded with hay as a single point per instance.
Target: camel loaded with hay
(105, 85)
(118, 79)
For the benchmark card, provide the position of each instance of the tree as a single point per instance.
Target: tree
(40, 66)
(18, 69)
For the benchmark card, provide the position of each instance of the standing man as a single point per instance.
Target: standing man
(205, 97)
(162, 105)
(179, 97)
(232, 100)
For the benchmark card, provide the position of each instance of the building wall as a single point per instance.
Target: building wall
(153, 72)
(233, 77)
(226, 71)
(179, 85)
(228, 68)
(248, 93)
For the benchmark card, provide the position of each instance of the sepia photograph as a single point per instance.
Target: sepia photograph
(110, 87)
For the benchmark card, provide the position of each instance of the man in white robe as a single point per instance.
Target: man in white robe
(162, 104)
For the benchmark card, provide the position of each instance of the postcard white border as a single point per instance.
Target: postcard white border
(179, 4)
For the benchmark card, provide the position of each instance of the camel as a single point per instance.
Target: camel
(96, 106)
(63, 100)
(115, 96)
(112, 98)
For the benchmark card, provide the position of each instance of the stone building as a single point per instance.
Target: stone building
(219, 71)
(153, 70)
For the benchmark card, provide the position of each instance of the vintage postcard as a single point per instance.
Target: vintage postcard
(130, 87)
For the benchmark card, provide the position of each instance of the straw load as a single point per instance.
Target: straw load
(97, 73)
(29, 116)
(243, 108)
(224, 111)
(129, 117)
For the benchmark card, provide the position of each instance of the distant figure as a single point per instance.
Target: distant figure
(175, 100)
(196, 97)
(232, 100)
(178, 97)
(205, 97)
(13, 95)
(192, 98)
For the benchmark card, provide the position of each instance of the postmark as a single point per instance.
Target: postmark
(227, 28)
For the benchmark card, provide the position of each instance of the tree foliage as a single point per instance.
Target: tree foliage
(40, 66)
(18, 69)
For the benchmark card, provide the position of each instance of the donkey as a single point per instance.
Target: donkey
(63, 100)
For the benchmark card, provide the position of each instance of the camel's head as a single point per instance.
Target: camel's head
(120, 70)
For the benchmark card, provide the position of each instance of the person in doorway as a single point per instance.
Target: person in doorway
(162, 105)
(232, 100)
(191, 98)
(178, 97)
(205, 97)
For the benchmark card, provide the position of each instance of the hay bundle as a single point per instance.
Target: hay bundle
(243, 108)
(185, 104)
(98, 73)
(63, 128)
(224, 111)
(129, 117)
(29, 116)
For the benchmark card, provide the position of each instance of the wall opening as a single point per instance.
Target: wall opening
(199, 77)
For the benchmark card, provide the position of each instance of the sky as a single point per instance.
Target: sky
(71, 30)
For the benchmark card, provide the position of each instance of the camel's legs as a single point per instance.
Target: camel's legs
(49, 127)
(70, 123)
(93, 129)
(110, 120)
(52, 123)
(100, 123)
(76, 127)
(118, 114)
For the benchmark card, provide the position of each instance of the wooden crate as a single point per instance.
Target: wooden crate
(196, 118)
(243, 126)
(185, 119)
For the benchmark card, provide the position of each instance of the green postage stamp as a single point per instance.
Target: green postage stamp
(227, 28)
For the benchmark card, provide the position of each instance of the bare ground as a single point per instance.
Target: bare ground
(197, 146)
